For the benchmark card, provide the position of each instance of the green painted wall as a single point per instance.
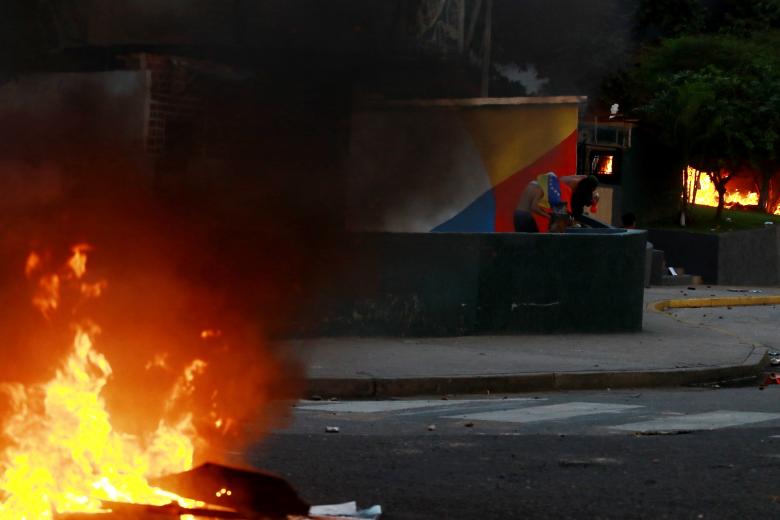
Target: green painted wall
(417, 284)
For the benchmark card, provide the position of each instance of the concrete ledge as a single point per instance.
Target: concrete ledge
(464, 284)
(379, 388)
(748, 257)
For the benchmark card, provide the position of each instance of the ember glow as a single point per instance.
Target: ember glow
(605, 165)
(62, 453)
(705, 193)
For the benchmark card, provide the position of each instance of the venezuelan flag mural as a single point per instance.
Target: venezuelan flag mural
(455, 166)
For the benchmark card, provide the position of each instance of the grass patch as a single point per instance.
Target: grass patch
(701, 219)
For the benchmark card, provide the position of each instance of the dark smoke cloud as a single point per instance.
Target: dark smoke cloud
(220, 232)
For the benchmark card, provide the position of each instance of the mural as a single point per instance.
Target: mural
(455, 166)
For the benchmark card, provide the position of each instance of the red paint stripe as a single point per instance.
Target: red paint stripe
(562, 159)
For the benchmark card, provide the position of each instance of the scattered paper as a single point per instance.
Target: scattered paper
(346, 510)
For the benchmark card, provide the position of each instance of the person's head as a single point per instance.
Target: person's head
(583, 194)
(629, 220)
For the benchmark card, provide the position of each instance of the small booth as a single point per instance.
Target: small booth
(456, 165)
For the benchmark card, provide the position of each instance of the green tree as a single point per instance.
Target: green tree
(694, 114)
(706, 83)
(748, 17)
(759, 136)
(712, 98)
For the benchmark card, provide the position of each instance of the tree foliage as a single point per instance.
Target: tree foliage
(747, 17)
(693, 114)
(712, 98)
(705, 82)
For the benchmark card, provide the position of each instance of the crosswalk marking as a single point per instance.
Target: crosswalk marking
(531, 410)
(392, 406)
(700, 421)
(547, 413)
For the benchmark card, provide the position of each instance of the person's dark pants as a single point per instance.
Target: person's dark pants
(524, 222)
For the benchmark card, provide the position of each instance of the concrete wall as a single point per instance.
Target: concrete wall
(736, 258)
(696, 252)
(444, 284)
(454, 165)
(749, 257)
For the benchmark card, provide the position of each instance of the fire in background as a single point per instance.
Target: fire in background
(701, 190)
(602, 164)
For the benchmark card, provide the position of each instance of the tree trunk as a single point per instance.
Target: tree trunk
(684, 198)
(721, 198)
(696, 184)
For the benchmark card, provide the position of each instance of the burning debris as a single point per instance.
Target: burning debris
(63, 454)
(250, 493)
(64, 457)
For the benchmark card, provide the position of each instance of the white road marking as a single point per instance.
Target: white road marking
(547, 413)
(392, 406)
(700, 421)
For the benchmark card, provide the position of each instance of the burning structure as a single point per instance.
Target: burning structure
(741, 191)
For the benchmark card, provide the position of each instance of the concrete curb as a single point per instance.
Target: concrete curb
(378, 388)
(365, 388)
(722, 301)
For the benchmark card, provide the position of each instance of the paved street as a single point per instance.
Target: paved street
(685, 453)
(709, 451)
(579, 413)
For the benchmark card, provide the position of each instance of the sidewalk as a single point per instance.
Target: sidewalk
(668, 352)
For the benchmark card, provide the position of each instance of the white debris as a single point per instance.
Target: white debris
(346, 510)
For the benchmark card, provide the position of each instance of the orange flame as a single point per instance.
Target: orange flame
(47, 299)
(707, 195)
(78, 261)
(605, 165)
(93, 290)
(210, 333)
(64, 455)
(32, 264)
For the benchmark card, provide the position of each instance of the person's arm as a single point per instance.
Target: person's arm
(535, 207)
(571, 180)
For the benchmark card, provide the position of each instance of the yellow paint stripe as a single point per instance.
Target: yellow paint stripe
(510, 139)
(734, 301)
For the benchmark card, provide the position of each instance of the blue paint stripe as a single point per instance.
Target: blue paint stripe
(478, 217)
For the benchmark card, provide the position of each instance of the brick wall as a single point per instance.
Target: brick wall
(174, 99)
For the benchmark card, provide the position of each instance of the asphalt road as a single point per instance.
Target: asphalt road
(688, 453)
